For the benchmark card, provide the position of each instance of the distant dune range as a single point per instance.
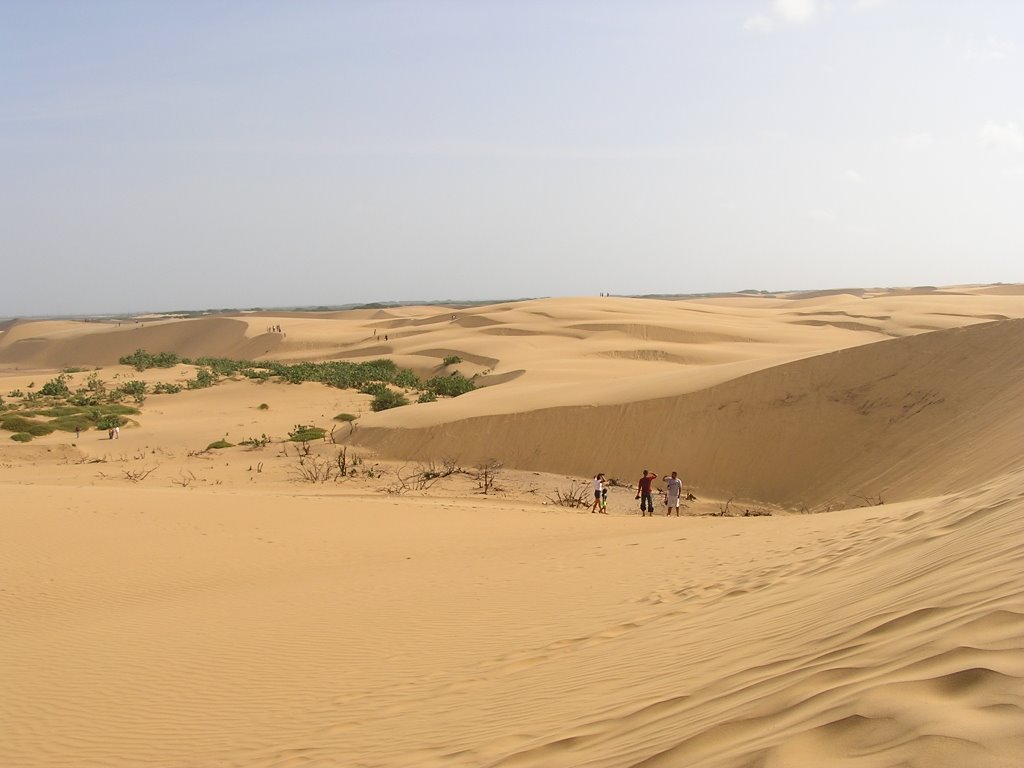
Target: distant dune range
(55, 344)
(167, 604)
(810, 401)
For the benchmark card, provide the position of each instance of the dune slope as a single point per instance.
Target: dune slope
(902, 418)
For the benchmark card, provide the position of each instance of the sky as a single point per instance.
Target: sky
(186, 154)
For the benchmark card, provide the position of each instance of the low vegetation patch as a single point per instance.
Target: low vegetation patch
(304, 433)
(388, 399)
(220, 444)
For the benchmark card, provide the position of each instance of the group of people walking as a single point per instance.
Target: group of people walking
(644, 494)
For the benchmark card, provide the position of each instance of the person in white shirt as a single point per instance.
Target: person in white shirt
(598, 487)
(673, 490)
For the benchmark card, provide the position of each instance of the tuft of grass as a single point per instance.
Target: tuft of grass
(21, 437)
(303, 433)
(220, 444)
(346, 417)
(69, 423)
(452, 360)
(16, 423)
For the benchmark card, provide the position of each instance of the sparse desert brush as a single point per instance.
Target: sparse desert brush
(346, 417)
(15, 393)
(21, 437)
(387, 399)
(452, 360)
(57, 387)
(256, 442)
(166, 388)
(140, 359)
(453, 385)
(134, 389)
(427, 396)
(220, 444)
(375, 388)
(303, 433)
(264, 407)
(110, 420)
(204, 378)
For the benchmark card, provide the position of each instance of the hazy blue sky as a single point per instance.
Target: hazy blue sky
(165, 155)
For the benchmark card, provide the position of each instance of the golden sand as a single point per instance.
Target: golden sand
(164, 605)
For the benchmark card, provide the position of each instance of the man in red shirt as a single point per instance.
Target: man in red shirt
(643, 492)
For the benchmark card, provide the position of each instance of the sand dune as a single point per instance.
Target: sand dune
(169, 605)
(898, 419)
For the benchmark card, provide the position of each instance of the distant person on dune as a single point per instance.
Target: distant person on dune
(643, 492)
(598, 487)
(673, 490)
(604, 500)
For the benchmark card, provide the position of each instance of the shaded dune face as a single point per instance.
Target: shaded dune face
(897, 419)
(213, 337)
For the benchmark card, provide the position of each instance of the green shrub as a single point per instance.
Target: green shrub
(452, 360)
(450, 386)
(427, 396)
(136, 389)
(387, 399)
(109, 421)
(57, 387)
(346, 417)
(15, 393)
(406, 379)
(21, 437)
(140, 359)
(73, 370)
(303, 433)
(375, 388)
(220, 444)
(264, 407)
(166, 388)
(204, 378)
(256, 442)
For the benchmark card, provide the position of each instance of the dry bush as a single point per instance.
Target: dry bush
(313, 469)
(576, 495)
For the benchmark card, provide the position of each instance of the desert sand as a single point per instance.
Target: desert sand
(845, 590)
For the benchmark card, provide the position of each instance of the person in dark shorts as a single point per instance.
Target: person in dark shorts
(643, 492)
(598, 487)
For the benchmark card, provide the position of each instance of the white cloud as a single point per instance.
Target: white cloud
(917, 142)
(785, 12)
(1015, 173)
(988, 49)
(796, 11)
(852, 176)
(759, 23)
(1006, 137)
(820, 214)
(866, 5)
